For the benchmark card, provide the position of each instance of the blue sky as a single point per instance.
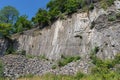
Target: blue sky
(28, 7)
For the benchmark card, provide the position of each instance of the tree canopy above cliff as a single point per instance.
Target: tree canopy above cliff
(11, 22)
(58, 8)
(8, 14)
(54, 9)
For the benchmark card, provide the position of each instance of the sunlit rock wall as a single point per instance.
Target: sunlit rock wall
(73, 36)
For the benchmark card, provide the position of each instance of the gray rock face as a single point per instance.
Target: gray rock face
(3, 46)
(73, 36)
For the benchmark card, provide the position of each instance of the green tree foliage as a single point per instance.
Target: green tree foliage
(71, 6)
(8, 15)
(59, 8)
(42, 18)
(22, 24)
(56, 9)
(57, 4)
(65, 5)
(5, 29)
(11, 22)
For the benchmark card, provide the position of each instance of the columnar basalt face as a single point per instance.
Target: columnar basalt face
(73, 36)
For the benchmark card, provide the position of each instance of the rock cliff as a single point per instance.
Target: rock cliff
(74, 36)
(3, 46)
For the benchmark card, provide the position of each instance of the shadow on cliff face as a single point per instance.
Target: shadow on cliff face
(15, 44)
(105, 21)
(3, 46)
(12, 46)
(101, 22)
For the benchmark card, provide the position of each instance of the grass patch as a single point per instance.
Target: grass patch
(42, 57)
(79, 76)
(29, 76)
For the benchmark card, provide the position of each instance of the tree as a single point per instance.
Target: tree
(57, 9)
(5, 29)
(54, 14)
(57, 4)
(8, 14)
(42, 18)
(71, 6)
(22, 24)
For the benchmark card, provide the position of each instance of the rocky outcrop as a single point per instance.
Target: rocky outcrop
(76, 35)
(17, 65)
(73, 36)
(3, 45)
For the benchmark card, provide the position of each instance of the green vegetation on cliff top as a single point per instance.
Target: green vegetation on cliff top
(11, 22)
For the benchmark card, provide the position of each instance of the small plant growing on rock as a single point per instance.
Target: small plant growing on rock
(110, 2)
(54, 66)
(76, 58)
(103, 4)
(106, 3)
(111, 18)
(94, 50)
(91, 7)
(29, 56)
(65, 60)
(43, 57)
(22, 52)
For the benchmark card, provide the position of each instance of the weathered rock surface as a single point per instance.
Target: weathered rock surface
(3, 46)
(73, 36)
